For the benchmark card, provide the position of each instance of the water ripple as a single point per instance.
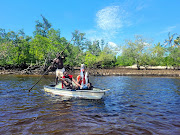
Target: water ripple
(134, 105)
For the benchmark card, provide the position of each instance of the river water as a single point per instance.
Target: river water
(134, 105)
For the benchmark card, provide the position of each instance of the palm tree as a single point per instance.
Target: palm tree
(177, 41)
(169, 41)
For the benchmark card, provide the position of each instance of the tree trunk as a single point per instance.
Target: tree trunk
(138, 66)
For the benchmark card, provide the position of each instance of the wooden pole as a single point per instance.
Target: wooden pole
(48, 69)
(38, 80)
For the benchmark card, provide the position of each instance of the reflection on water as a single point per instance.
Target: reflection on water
(134, 105)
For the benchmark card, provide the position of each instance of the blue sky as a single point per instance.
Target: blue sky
(111, 20)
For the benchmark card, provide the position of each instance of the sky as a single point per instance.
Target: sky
(112, 20)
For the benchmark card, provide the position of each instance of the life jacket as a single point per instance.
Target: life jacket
(69, 77)
(79, 78)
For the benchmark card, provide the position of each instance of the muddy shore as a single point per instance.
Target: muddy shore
(109, 72)
(135, 72)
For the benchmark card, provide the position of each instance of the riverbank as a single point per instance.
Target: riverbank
(135, 72)
(109, 72)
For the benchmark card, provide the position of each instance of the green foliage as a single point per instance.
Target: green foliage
(74, 56)
(168, 42)
(41, 48)
(173, 52)
(137, 51)
(107, 49)
(6, 49)
(105, 60)
(90, 59)
(158, 54)
(42, 28)
(15, 48)
(177, 42)
(174, 56)
(18, 48)
(22, 52)
(124, 61)
(145, 59)
(102, 44)
(79, 39)
(94, 48)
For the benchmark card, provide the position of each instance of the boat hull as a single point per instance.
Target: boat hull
(96, 93)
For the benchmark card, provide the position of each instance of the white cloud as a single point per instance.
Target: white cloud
(140, 5)
(146, 44)
(93, 35)
(112, 44)
(110, 18)
(168, 29)
(109, 22)
(114, 47)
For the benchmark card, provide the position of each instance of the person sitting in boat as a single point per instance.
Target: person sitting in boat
(83, 78)
(67, 81)
(58, 64)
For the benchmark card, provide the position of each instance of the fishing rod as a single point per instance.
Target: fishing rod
(48, 69)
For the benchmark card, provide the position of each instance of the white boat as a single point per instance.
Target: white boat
(95, 93)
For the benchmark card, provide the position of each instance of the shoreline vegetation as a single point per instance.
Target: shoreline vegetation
(32, 55)
(159, 71)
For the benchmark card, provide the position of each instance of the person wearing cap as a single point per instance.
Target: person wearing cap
(58, 64)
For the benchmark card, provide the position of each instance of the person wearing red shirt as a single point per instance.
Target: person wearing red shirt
(67, 81)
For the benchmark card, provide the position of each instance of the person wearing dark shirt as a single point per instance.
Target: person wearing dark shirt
(58, 64)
